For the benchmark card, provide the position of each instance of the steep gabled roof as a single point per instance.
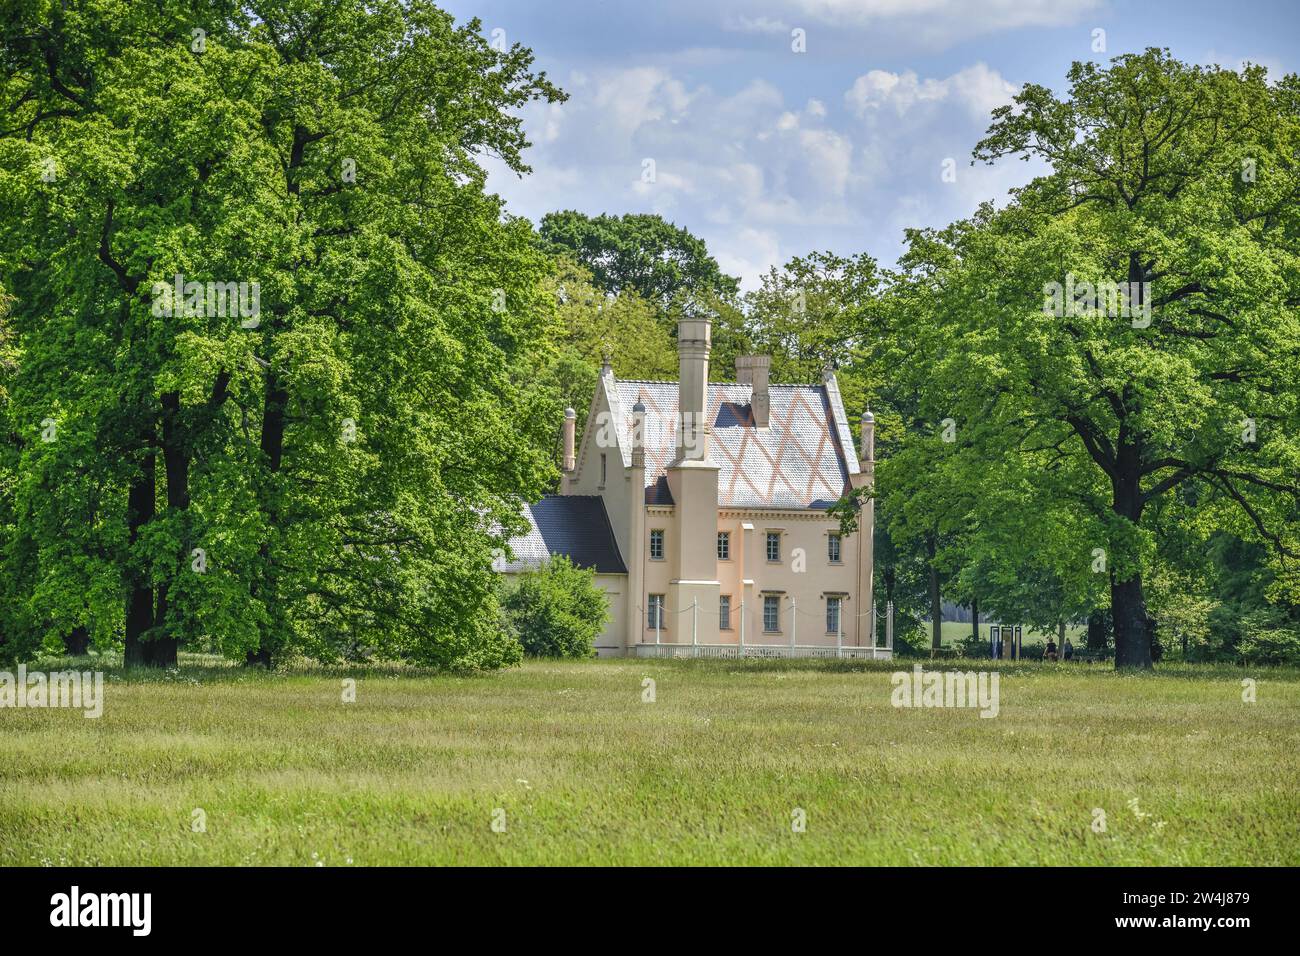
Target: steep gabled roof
(803, 459)
(572, 525)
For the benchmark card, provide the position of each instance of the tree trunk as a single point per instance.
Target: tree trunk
(975, 618)
(936, 601)
(259, 658)
(176, 464)
(76, 643)
(274, 406)
(140, 508)
(1133, 626)
(161, 651)
(1097, 629)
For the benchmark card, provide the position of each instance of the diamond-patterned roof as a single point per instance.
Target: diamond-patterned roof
(801, 460)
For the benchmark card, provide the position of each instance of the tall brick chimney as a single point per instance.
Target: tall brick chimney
(692, 552)
(754, 370)
(693, 344)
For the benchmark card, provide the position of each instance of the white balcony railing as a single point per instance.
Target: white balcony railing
(765, 650)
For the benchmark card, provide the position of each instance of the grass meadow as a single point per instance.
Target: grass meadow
(577, 769)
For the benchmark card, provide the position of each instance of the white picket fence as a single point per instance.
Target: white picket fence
(743, 648)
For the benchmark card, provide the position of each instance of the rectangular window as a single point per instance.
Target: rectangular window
(602, 469)
(655, 618)
(771, 613)
(724, 545)
(657, 544)
(774, 546)
(833, 615)
(833, 548)
(724, 612)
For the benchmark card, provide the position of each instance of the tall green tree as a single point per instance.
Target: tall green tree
(327, 472)
(638, 252)
(595, 326)
(809, 313)
(1181, 182)
(621, 327)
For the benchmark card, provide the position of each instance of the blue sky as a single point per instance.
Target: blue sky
(767, 153)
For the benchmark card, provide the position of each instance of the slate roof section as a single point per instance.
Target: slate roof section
(573, 525)
(802, 460)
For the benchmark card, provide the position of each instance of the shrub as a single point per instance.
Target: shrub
(911, 642)
(1264, 644)
(556, 611)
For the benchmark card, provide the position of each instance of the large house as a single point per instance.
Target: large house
(702, 508)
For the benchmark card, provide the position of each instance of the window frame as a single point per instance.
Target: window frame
(655, 612)
(837, 602)
(724, 545)
(838, 540)
(772, 601)
(662, 539)
(724, 604)
(773, 536)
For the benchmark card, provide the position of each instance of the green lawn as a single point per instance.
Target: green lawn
(711, 772)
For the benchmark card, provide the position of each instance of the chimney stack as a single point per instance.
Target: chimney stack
(638, 435)
(753, 370)
(694, 340)
(570, 428)
(692, 555)
(868, 455)
(636, 589)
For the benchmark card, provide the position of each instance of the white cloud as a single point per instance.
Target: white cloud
(977, 87)
(761, 178)
(1274, 66)
(744, 24)
(1003, 13)
(747, 254)
(928, 23)
(630, 98)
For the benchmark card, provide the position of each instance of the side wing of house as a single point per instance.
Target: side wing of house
(576, 526)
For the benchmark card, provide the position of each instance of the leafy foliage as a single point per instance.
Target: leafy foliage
(637, 252)
(349, 462)
(1145, 188)
(556, 610)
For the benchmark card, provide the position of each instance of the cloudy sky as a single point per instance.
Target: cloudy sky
(768, 153)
